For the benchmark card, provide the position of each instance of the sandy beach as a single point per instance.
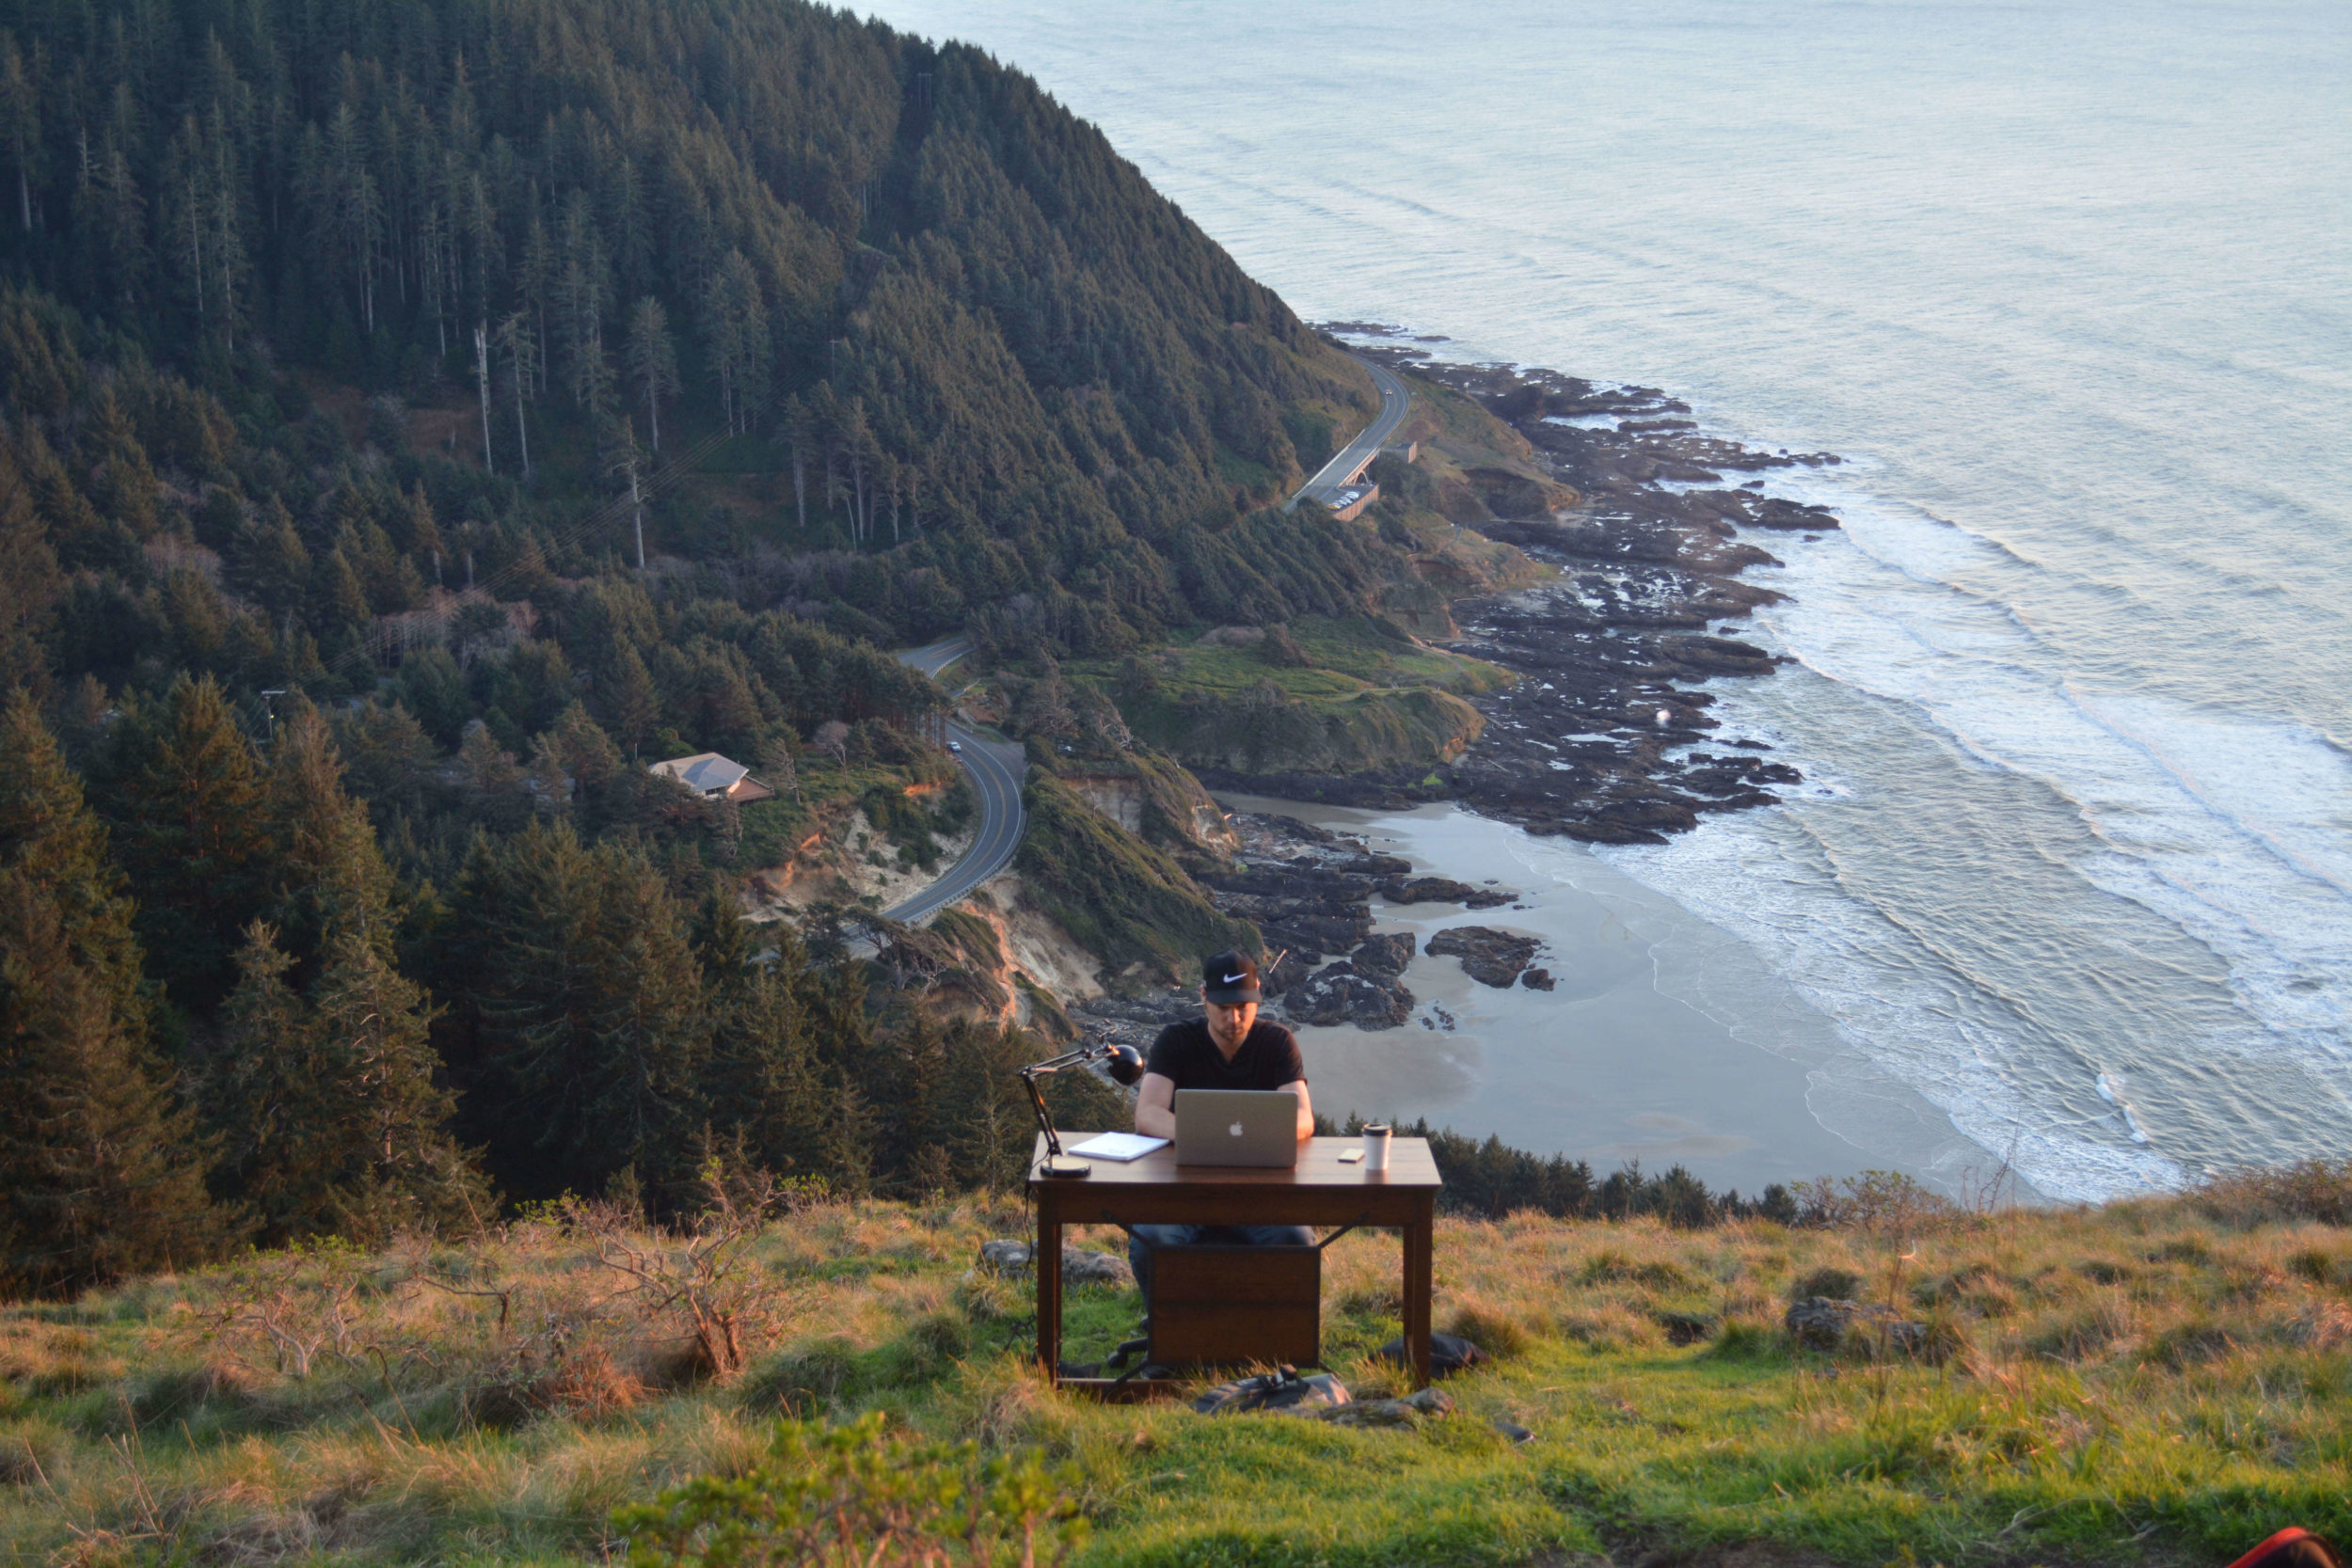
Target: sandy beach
(1664, 1040)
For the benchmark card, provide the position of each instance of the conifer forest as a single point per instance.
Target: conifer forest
(419, 414)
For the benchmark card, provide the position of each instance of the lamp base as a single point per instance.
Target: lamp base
(1066, 1166)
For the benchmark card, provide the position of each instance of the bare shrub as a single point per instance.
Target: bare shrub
(559, 1359)
(707, 1283)
(1878, 1202)
(285, 1313)
(2319, 1189)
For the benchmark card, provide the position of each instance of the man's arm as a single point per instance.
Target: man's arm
(1306, 1110)
(1155, 1107)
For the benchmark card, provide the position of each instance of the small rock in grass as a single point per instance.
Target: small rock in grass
(1078, 1265)
(1826, 1323)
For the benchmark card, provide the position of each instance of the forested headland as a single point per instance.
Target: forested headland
(418, 416)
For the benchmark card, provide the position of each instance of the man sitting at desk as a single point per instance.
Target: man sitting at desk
(1228, 1049)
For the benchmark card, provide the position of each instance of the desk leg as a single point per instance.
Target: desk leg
(1420, 1243)
(1046, 1268)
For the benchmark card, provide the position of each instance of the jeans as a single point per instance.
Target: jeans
(1147, 1238)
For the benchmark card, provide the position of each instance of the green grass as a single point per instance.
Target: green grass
(1362, 699)
(773, 829)
(165, 1419)
(1348, 657)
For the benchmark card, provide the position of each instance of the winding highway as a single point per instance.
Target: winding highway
(996, 770)
(1395, 402)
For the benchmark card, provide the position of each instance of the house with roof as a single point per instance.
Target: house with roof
(714, 777)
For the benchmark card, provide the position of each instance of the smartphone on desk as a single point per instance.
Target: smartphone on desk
(1350, 1156)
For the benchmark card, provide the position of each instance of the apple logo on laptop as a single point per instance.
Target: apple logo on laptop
(1235, 1130)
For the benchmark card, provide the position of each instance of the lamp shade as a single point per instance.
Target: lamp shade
(1125, 1063)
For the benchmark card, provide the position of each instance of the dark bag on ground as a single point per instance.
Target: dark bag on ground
(1281, 1389)
(1448, 1353)
(2292, 1548)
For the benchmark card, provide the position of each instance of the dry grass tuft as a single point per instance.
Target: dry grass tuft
(1612, 1266)
(799, 1383)
(2085, 1332)
(1491, 1329)
(1835, 1283)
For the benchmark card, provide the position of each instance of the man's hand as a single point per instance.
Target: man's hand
(1306, 1110)
(1155, 1107)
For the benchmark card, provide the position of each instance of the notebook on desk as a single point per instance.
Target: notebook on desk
(1122, 1147)
(1237, 1126)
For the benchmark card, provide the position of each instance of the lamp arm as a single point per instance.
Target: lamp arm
(1035, 1070)
(1068, 1058)
(1029, 1075)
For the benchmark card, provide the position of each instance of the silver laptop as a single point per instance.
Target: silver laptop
(1237, 1126)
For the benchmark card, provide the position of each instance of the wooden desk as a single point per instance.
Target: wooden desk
(1155, 1190)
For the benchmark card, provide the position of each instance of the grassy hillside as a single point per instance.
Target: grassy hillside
(2161, 1381)
(1324, 695)
(1125, 901)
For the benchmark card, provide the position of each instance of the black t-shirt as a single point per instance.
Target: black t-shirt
(1185, 1057)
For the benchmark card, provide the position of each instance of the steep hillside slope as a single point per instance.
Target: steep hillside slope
(953, 349)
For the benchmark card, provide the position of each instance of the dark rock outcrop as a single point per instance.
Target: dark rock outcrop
(1831, 1323)
(1443, 890)
(1340, 994)
(1384, 955)
(1489, 956)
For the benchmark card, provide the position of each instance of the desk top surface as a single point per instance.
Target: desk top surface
(1410, 1165)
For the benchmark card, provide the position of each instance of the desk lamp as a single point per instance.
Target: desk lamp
(1125, 1065)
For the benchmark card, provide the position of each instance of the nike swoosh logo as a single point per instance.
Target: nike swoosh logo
(1235, 979)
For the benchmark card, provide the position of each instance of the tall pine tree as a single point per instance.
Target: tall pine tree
(186, 803)
(100, 1174)
(326, 873)
(586, 1029)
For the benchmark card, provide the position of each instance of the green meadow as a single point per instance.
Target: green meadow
(2152, 1382)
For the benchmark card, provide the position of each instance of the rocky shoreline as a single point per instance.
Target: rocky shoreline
(1611, 653)
(1310, 892)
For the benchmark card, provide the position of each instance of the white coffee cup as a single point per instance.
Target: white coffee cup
(1376, 1147)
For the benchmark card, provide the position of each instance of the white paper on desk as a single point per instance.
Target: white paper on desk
(1122, 1147)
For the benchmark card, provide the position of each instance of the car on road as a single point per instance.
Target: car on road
(956, 746)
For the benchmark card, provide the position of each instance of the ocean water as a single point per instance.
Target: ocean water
(2070, 288)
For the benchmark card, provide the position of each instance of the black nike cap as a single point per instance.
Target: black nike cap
(1230, 977)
